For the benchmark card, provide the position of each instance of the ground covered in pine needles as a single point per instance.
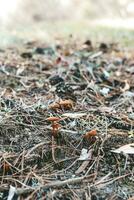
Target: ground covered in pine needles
(67, 121)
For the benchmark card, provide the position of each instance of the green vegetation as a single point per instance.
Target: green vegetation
(80, 29)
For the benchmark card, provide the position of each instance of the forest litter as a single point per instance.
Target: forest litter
(67, 121)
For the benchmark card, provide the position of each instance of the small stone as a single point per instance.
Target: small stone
(26, 55)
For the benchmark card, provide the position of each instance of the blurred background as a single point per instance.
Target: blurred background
(26, 20)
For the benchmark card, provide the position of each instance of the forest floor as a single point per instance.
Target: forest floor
(67, 110)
